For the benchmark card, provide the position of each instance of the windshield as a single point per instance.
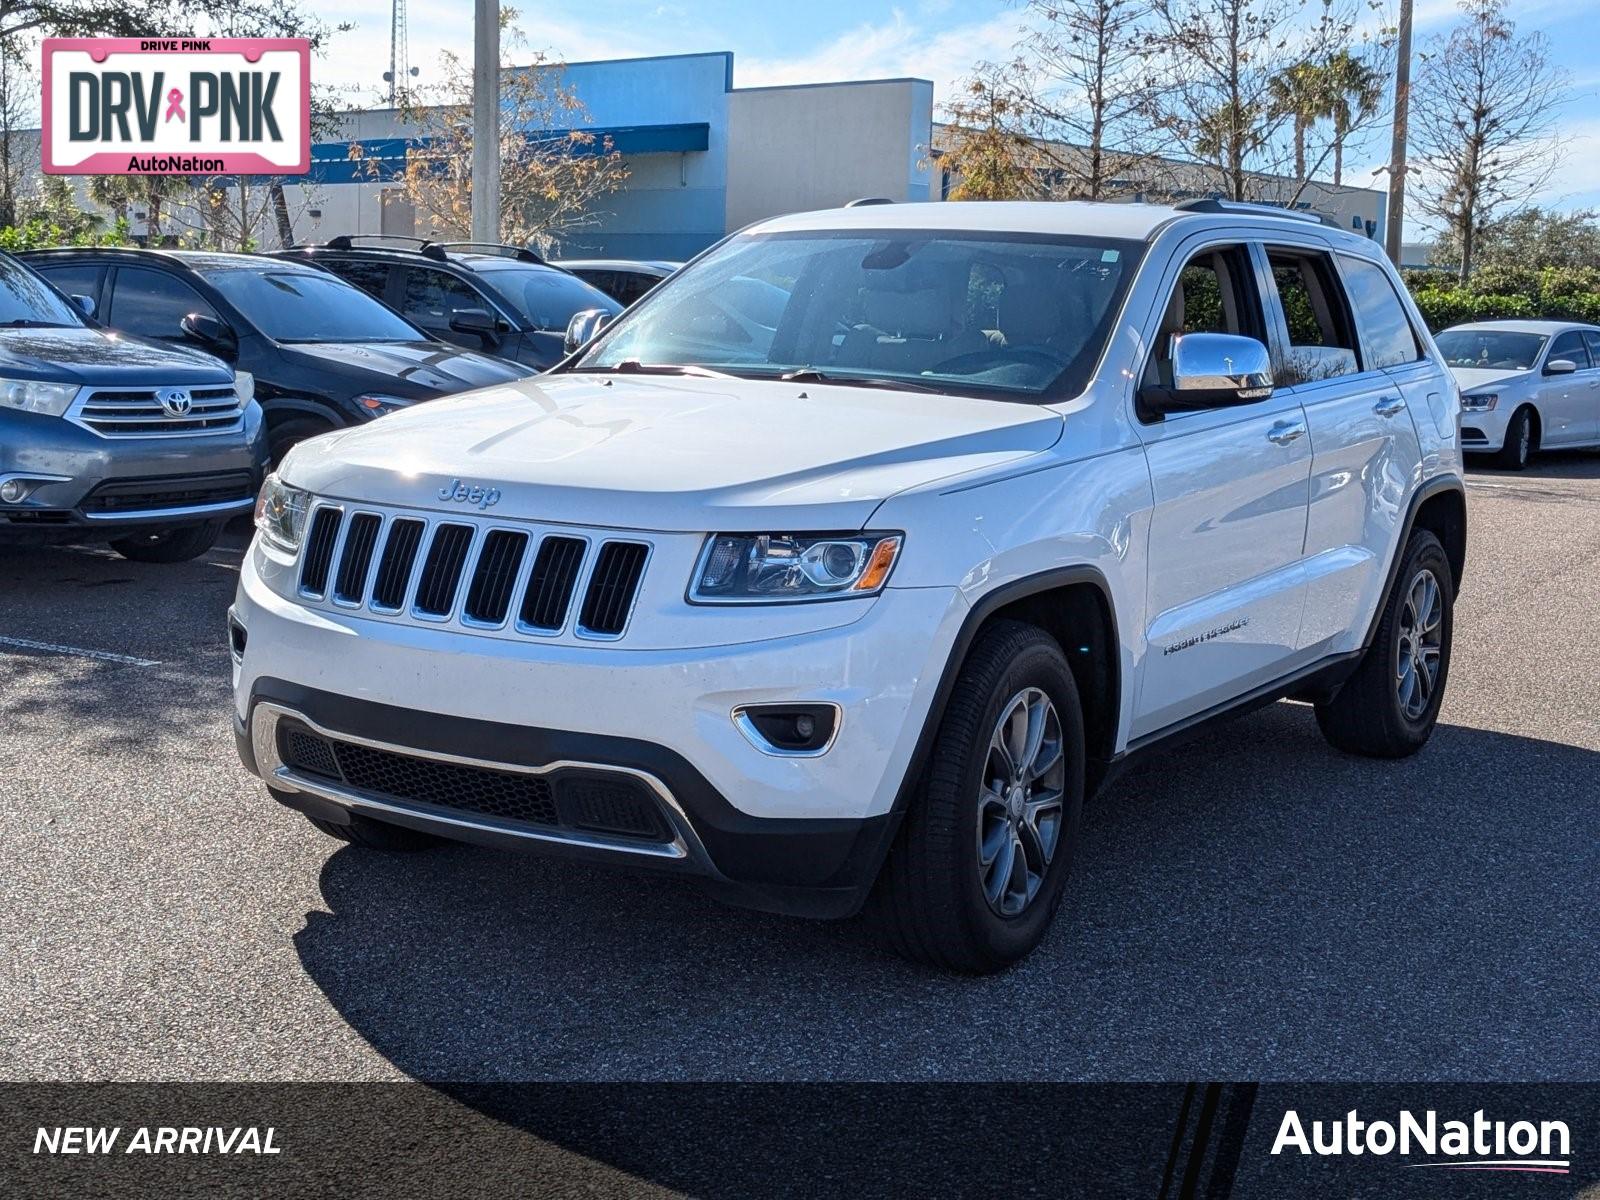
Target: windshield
(310, 306)
(546, 298)
(27, 301)
(992, 314)
(1490, 349)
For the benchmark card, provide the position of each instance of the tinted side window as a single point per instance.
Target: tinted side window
(1321, 341)
(370, 277)
(431, 296)
(630, 285)
(1570, 345)
(1593, 340)
(1387, 335)
(75, 279)
(152, 303)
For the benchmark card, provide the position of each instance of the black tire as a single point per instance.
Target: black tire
(377, 835)
(1367, 715)
(178, 544)
(1518, 447)
(928, 903)
(281, 435)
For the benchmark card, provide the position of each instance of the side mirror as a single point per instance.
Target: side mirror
(1211, 370)
(210, 333)
(583, 328)
(1560, 366)
(473, 320)
(85, 304)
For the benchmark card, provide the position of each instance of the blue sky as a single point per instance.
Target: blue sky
(822, 40)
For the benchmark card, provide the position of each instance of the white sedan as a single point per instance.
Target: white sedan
(1525, 385)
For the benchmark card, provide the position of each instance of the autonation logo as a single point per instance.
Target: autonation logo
(1476, 1145)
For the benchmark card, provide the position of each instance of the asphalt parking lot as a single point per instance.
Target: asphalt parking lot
(1252, 906)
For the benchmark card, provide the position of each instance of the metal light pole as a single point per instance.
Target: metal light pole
(486, 122)
(1395, 226)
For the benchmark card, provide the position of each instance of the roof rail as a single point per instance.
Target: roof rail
(520, 253)
(867, 201)
(1211, 204)
(347, 241)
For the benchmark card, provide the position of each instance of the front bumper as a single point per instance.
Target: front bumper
(784, 833)
(1486, 431)
(84, 485)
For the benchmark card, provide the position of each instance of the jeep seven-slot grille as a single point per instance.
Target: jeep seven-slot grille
(592, 801)
(485, 576)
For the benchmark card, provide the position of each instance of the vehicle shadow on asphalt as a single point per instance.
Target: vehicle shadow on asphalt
(1254, 906)
(1547, 464)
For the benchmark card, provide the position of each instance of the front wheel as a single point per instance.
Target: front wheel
(1389, 707)
(979, 866)
(1518, 446)
(175, 545)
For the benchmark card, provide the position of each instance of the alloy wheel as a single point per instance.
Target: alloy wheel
(1419, 648)
(1021, 804)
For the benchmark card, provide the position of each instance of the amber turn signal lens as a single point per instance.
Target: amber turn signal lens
(878, 566)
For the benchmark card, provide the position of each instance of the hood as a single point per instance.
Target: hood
(1472, 379)
(414, 370)
(673, 454)
(95, 357)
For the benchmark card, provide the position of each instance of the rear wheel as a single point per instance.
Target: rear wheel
(376, 835)
(980, 864)
(178, 544)
(1518, 446)
(1389, 707)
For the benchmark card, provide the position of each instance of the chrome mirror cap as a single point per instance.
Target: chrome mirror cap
(583, 328)
(1221, 362)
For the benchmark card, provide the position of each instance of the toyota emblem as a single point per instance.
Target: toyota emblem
(176, 402)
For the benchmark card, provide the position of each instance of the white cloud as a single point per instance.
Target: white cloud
(896, 47)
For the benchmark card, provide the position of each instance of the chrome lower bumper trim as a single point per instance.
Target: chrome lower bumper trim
(684, 848)
(217, 509)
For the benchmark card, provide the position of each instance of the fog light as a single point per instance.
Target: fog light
(15, 491)
(796, 730)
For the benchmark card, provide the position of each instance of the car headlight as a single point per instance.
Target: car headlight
(244, 385)
(281, 513)
(46, 399)
(745, 568)
(377, 404)
(1480, 402)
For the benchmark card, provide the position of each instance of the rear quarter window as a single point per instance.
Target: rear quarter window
(1386, 333)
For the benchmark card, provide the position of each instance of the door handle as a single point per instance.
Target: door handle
(1389, 406)
(1284, 432)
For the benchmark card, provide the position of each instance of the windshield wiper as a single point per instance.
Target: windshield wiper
(812, 375)
(632, 366)
(33, 323)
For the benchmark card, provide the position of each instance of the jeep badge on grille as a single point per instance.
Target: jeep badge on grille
(475, 494)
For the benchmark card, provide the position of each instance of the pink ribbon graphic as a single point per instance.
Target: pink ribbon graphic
(175, 105)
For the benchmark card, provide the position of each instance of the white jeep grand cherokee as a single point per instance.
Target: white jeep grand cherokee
(840, 568)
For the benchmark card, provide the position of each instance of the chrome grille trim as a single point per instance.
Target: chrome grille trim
(406, 540)
(112, 412)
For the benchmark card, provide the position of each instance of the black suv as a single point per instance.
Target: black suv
(499, 299)
(324, 354)
(111, 439)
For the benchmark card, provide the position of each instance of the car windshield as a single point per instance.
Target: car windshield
(28, 302)
(1010, 316)
(1490, 349)
(546, 298)
(310, 306)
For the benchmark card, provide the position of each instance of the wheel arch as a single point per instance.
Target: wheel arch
(1439, 506)
(1074, 605)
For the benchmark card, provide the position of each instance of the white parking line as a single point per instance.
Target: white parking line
(79, 652)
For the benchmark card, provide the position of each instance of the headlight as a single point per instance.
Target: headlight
(47, 399)
(1481, 402)
(281, 513)
(244, 384)
(377, 405)
(742, 568)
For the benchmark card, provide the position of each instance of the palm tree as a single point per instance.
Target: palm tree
(1354, 90)
(113, 192)
(1301, 93)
